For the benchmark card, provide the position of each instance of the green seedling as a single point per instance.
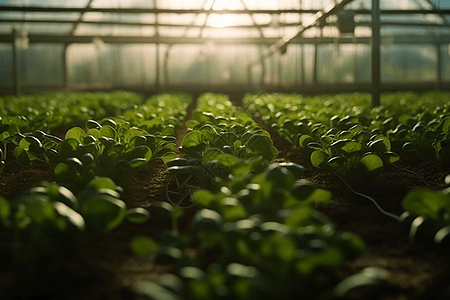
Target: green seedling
(361, 284)
(427, 213)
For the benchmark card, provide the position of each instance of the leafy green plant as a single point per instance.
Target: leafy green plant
(228, 140)
(50, 111)
(427, 215)
(8, 133)
(262, 236)
(111, 148)
(49, 217)
(342, 132)
(159, 111)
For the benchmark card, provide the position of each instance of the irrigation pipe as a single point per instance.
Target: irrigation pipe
(371, 199)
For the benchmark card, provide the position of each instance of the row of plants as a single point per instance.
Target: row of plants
(90, 163)
(342, 133)
(159, 111)
(50, 217)
(46, 113)
(220, 131)
(256, 234)
(51, 111)
(220, 136)
(112, 148)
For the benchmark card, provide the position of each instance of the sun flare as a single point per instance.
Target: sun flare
(222, 20)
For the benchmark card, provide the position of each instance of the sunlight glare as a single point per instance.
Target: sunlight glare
(224, 20)
(220, 21)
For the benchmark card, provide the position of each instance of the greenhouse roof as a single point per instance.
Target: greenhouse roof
(247, 21)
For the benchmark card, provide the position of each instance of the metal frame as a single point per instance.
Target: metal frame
(54, 39)
(281, 44)
(376, 53)
(200, 11)
(274, 44)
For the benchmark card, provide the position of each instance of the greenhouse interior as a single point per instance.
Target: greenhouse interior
(225, 149)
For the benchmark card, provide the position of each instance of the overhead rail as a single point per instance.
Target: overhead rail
(262, 25)
(151, 10)
(159, 24)
(87, 39)
(200, 11)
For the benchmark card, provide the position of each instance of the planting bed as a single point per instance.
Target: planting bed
(105, 266)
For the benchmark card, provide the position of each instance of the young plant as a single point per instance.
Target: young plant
(262, 236)
(49, 217)
(111, 148)
(427, 215)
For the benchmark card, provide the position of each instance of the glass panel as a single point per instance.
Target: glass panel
(56, 3)
(7, 28)
(445, 62)
(188, 64)
(441, 3)
(113, 65)
(136, 63)
(6, 58)
(309, 63)
(228, 64)
(350, 63)
(293, 65)
(81, 64)
(408, 63)
(41, 64)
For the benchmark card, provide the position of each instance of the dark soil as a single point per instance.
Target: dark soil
(105, 268)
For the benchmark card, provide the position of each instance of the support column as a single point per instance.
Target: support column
(316, 60)
(440, 69)
(376, 53)
(15, 64)
(64, 67)
(157, 80)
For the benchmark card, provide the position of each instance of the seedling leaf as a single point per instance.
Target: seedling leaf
(75, 218)
(143, 245)
(369, 167)
(108, 131)
(136, 163)
(425, 202)
(102, 183)
(24, 156)
(368, 278)
(169, 156)
(104, 212)
(319, 159)
(137, 215)
(76, 133)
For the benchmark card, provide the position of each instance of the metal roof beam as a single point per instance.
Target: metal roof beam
(199, 11)
(149, 10)
(265, 25)
(404, 39)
